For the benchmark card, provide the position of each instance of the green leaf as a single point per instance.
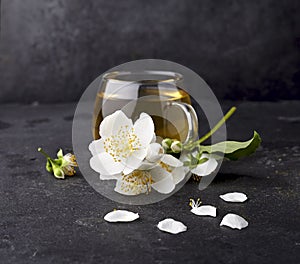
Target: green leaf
(202, 160)
(58, 162)
(49, 166)
(62, 162)
(234, 150)
(198, 155)
(186, 163)
(194, 161)
(60, 153)
(58, 173)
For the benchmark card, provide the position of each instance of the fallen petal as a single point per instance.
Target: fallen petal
(234, 197)
(121, 216)
(171, 226)
(205, 210)
(234, 221)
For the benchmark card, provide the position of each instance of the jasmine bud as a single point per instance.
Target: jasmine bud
(166, 143)
(176, 146)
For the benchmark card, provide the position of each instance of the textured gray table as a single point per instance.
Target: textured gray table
(44, 220)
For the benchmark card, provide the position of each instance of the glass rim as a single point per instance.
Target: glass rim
(143, 76)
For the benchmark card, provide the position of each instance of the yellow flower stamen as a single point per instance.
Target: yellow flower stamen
(137, 182)
(121, 144)
(193, 204)
(165, 166)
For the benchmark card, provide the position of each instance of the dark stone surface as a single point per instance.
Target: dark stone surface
(44, 220)
(51, 50)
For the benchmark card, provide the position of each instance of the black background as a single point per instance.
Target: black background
(245, 50)
(50, 50)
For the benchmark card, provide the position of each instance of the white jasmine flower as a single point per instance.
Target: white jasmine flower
(234, 221)
(62, 166)
(126, 153)
(68, 163)
(171, 226)
(207, 167)
(203, 210)
(121, 216)
(162, 177)
(123, 145)
(234, 197)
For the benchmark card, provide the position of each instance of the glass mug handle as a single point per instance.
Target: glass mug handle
(191, 118)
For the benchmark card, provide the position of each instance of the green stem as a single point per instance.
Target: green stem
(44, 153)
(215, 128)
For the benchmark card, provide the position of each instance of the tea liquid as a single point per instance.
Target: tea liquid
(169, 121)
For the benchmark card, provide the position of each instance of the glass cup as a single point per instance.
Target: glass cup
(157, 93)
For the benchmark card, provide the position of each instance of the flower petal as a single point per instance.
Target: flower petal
(234, 221)
(144, 129)
(121, 216)
(134, 160)
(179, 174)
(234, 197)
(71, 159)
(147, 165)
(154, 152)
(153, 140)
(124, 187)
(68, 170)
(110, 177)
(205, 168)
(171, 226)
(105, 164)
(114, 122)
(205, 210)
(171, 161)
(163, 180)
(96, 146)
